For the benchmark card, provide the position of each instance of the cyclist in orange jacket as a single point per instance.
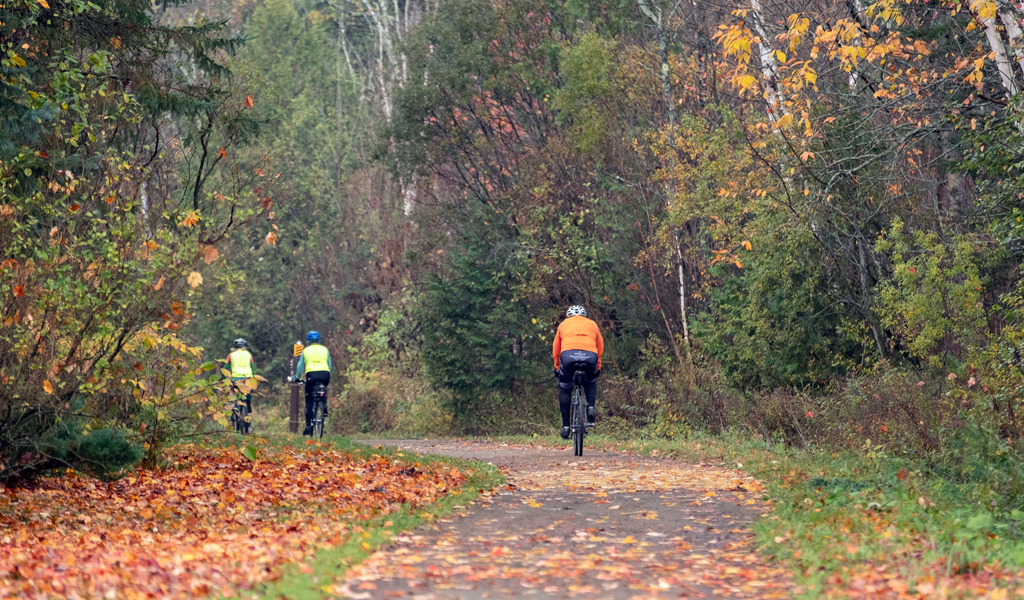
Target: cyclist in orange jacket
(578, 345)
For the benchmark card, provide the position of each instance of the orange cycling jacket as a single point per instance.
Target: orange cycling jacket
(578, 333)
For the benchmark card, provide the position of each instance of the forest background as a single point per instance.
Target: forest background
(799, 220)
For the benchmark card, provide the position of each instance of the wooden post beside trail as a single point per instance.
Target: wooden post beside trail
(293, 409)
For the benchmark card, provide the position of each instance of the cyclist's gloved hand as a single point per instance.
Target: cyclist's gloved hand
(557, 374)
(597, 374)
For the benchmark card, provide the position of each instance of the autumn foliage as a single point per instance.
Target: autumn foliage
(210, 522)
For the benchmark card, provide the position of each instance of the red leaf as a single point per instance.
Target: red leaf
(44, 154)
(19, 291)
(74, 207)
(223, 153)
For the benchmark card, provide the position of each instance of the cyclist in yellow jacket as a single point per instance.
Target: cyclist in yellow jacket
(315, 364)
(242, 367)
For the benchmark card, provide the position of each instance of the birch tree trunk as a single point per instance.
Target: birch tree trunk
(769, 65)
(659, 19)
(1015, 35)
(986, 16)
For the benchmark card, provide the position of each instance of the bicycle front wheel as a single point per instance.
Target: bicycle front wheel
(578, 421)
(318, 421)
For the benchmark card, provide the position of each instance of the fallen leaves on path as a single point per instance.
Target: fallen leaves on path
(601, 526)
(211, 522)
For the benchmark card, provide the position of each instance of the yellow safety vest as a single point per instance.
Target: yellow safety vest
(315, 358)
(241, 364)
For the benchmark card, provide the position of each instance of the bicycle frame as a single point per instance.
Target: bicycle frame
(578, 411)
(319, 410)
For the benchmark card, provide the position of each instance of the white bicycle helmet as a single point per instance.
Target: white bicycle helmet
(576, 310)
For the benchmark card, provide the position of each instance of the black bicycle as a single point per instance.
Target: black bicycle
(319, 409)
(239, 411)
(578, 412)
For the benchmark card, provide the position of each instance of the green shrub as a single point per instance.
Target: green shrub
(104, 453)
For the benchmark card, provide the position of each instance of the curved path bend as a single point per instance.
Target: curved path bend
(604, 525)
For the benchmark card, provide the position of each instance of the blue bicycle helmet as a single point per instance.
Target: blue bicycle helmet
(313, 337)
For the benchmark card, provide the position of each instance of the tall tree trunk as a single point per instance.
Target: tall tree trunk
(995, 43)
(1015, 35)
(660, 22)
(769, 65)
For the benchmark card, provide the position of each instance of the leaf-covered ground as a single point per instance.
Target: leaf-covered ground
(212, 522)
(851, 528)
(602, 526)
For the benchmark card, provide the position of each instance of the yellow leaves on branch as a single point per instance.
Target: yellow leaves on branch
(47, 387)
(977, 74)
(784, 121)
(985, 10)
(737, 41)
(798, 28)
(195, 279)
(886, 10)
(745, 82)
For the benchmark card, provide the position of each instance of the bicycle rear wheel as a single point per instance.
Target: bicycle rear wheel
(243, 413)
(318, 420)
(578, 420)
(238, 418)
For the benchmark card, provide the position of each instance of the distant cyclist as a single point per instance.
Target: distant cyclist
(315, 364)
(578, 344)
(242, 367)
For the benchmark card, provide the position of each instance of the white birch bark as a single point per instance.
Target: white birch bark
(769, 65)
(995, 43)
(1015, 35)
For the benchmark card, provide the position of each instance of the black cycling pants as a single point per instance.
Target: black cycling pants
(312, 379)
(568, 362)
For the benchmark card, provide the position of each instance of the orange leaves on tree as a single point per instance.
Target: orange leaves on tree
(19, 291)
(47, 387)
(209, 253)
(248, 101)
(223, 153)
(190, 220)
(271, 238)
